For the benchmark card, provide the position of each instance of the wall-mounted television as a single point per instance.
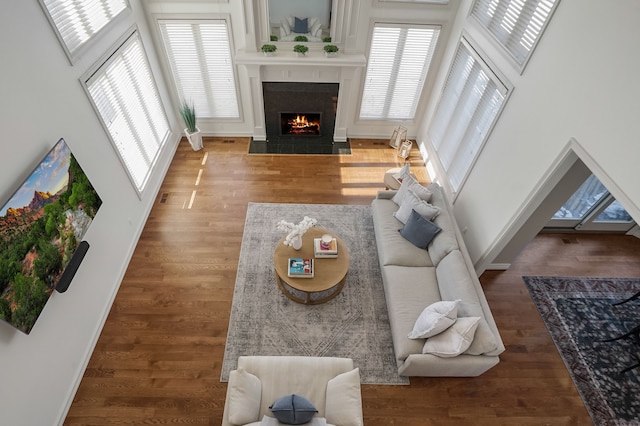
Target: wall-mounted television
(41, 229)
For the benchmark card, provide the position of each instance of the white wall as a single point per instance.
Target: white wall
(42, 101)
(581, 82)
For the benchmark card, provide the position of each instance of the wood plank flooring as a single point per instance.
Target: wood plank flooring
(159, 356)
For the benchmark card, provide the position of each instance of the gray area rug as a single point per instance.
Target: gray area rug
(579, 315)
(353, 325)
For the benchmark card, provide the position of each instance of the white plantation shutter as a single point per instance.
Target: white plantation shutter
(516, 24)
(199, 53)
(471, 100)
(397, 68)
(127, 100)
(76, 21)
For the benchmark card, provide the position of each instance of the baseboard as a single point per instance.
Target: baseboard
(498, 266)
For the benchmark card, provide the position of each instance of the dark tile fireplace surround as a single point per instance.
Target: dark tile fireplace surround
(287, 102)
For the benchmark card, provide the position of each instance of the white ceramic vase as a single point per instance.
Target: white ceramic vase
(195, 139)
(296, 242)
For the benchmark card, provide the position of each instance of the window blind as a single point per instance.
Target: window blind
(199, 54)
(516, 24)
(77, 21)
(128, 103)
(399, 60)
(470, 102)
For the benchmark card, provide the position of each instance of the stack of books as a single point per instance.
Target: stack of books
(325, 249)
(300, 267)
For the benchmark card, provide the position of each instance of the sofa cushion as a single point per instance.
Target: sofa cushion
(419, 231)
(293, 409)
(455, 282)
(407, 291)
(411, 201)
(393, 249)
(446, 241)
(244, 397)
(454, 340)
(435, 319)
(344, 402)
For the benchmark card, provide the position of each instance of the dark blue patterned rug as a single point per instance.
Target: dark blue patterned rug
(579, 314)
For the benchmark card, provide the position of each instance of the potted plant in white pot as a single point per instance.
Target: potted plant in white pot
(192, 132)
(269, 49)
(300, 49)
(330, 50)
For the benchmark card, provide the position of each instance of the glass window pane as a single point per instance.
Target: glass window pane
(589, 193)
(614, 213)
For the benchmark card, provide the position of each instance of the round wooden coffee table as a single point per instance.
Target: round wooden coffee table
(328, 277)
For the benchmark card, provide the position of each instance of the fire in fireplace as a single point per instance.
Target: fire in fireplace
(300, 124)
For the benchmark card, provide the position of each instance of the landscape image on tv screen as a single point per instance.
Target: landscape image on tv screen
(40, 228)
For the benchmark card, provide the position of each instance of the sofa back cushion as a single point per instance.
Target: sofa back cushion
(455, 282)
(445, 242)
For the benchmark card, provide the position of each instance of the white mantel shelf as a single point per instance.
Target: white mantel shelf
(312, 58)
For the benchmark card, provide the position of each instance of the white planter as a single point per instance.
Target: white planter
(300, 54)
(331, 54)
(195, 139)
(269, 53)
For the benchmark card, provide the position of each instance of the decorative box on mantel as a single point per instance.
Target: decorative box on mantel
(314, 68)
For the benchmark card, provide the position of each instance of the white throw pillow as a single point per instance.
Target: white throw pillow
(404, 171)
(410, 183)
(435, 319)
(454, 340)
(343, 404)
(412, 202)
(244, 397)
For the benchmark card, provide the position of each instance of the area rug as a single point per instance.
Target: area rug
(354, 324)
(579, 314)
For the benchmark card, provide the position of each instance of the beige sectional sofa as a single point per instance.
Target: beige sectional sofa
(415, 278)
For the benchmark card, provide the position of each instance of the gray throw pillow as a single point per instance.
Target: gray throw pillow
(293, 410)
(301, 26)
(419, 231)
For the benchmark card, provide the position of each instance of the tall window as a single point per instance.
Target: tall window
(77, 21)
(472, 98)
(397, 68)
(199, 53)
(516, 24)
(125, 95)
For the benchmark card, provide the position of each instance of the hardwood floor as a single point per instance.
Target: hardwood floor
(159, 356)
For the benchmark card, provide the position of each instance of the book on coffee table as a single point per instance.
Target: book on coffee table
(325, 250)
(300, 267)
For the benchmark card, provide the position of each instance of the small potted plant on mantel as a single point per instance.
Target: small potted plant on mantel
(330, 50)
(300, 49)
(269, 49)
(192, 132)
(301, 38)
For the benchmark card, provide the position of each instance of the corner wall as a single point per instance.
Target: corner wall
(42, 101)
(580, 83)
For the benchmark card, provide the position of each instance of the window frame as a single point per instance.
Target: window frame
(495, 40)
(106, 60)
(170, 69)
(74, 55)
(493, 71)
(438, 27)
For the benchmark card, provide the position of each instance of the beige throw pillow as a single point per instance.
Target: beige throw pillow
(343, 404)
(410, 202)
(245, 394)
(454, 340)
(435, 319)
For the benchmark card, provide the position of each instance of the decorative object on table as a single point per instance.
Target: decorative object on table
(397, 137)
(295, 232)
(269, 49)
(192, 132)
(580, 314)
(265, 322)
(405, 149)
(331, 50)
(300, 49)
(326, 246)
(300, 267)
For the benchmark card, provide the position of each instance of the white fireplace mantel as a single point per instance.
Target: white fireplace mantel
(312, 68)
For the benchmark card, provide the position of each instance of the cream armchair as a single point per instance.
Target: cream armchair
(331, 384)
(287, 27)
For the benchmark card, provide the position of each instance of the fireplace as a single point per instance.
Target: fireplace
(300, 123)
